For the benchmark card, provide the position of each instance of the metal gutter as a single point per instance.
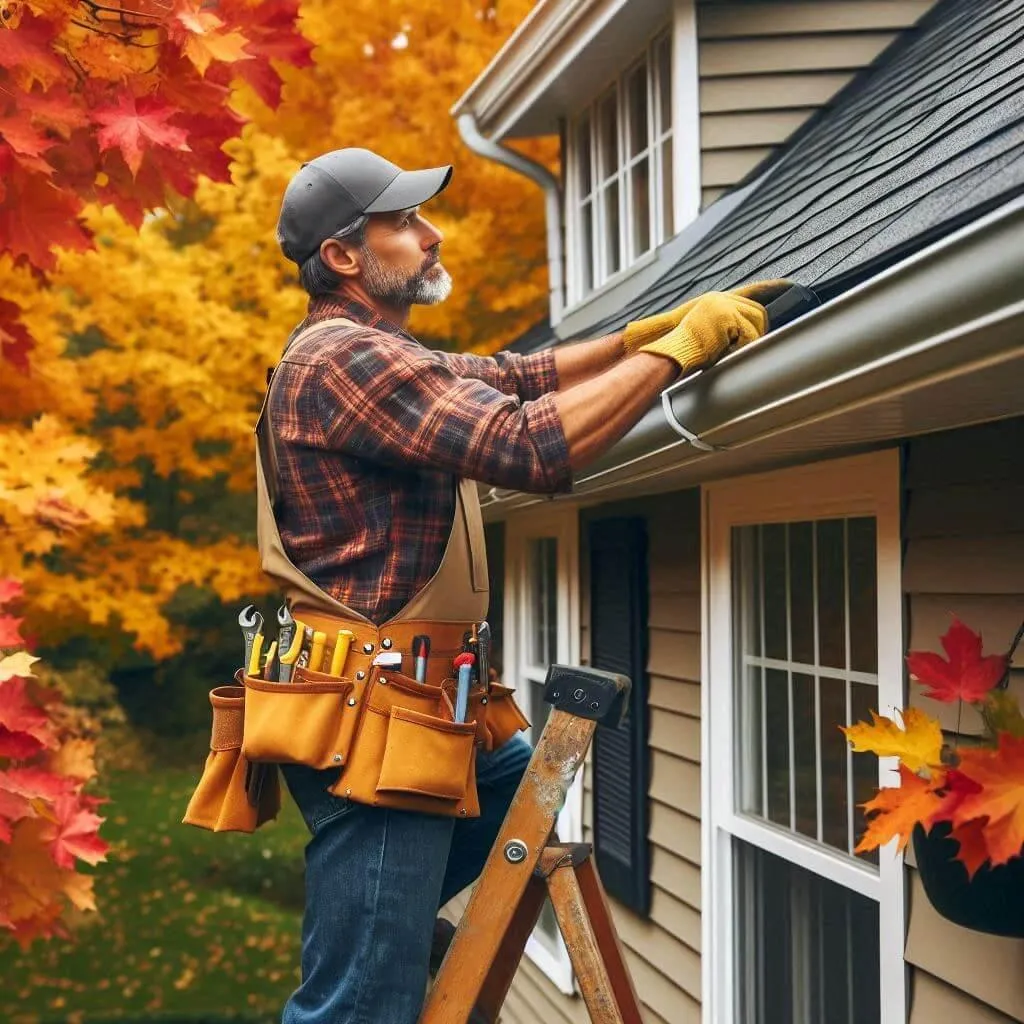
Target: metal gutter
(951, 308)
(552, 201)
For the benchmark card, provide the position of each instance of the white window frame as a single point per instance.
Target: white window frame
(628, 261)
(864, 485)
(562, 524)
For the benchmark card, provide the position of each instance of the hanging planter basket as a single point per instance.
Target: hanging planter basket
(992, 901)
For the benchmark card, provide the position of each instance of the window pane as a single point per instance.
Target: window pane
(667, 211)
(807, 950)
(805, 760)
(608, 119)
(750, 747)
(863, 595)
(773, 539)
(542, 567)
(636, 99)
(586, 251)
(611, 229)
(833, 764)
(801, 591)
(664, 73)
(831, 594)
(777, 745)
(640, 180)
(583, 156)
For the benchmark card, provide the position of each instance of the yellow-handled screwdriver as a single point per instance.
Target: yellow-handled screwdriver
(316, 655)
(342, 643)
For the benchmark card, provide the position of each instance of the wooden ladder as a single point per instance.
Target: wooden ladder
(523, 867)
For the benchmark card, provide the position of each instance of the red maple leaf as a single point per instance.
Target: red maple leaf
(999, 798)
(10, 589)
(75, 832)
(15, 341)
(24, 728)
(966, 676)
(29, 49)
(9, 634)
(36, 783)
(36, 217)
(973, 850)
(55, 109)
(139, 124)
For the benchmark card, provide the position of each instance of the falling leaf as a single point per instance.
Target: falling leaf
(967, 675)
(918, 744)
(18, 664)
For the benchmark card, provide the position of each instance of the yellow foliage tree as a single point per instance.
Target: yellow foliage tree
(151, 349)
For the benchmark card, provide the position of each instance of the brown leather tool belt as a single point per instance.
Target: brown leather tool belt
(395, 741)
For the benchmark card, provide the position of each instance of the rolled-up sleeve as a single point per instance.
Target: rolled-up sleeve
(402, 405)
(528, 376)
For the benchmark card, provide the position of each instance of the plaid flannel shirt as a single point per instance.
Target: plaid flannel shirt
(373, 431)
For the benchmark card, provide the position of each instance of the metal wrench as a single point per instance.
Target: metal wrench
(285, 636)
(483, 657)
(252, 624)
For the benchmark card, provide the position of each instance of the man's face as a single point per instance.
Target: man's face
(401, 260)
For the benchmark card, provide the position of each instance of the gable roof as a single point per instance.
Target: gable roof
(927, 139)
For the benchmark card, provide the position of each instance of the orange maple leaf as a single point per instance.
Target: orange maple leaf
(137, 124)
(966, 676)
(24, 728)
(999, 774)
(895, 810)
(75, 833)
(202, 39)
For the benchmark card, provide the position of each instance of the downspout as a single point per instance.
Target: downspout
(552, 201)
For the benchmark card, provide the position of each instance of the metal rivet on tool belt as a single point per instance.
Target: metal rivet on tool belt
(483, 700)
(367, 648)
(360, 675)
(463, 812)
(348, 792)
(337, 758)
(381, 680)
(386, 643)
(351, 702)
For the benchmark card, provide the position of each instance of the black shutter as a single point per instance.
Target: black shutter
(621, 759)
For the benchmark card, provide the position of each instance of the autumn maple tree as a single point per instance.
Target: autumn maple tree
(978, 790)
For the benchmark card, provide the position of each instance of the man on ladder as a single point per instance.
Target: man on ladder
(370, 524)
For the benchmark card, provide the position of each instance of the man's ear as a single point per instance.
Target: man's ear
(341, 257)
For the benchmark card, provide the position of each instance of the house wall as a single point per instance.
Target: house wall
(964, 553)
(766, 66)
(663, 952)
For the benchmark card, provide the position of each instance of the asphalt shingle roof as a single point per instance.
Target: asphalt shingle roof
(927, 138)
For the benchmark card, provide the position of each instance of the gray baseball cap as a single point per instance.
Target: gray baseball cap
(330, 192)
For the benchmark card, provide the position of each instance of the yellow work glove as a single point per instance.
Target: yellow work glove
(638, 333)
(715, 323)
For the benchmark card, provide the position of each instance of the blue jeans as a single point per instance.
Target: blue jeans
(375, 879)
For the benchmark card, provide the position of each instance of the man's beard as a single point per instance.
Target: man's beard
(391, 286)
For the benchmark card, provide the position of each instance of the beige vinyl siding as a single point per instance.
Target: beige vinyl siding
(765, 67)
(963, 554)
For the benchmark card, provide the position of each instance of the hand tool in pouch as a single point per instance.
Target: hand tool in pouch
(464, 664)
(421, 651)
(484, 654)
(289, 640)
(316, 654)
(342, 642)
(252, 626)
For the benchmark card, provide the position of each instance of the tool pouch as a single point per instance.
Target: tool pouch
(307, 721)
(408, 753)
(219, 801)
(504, 719)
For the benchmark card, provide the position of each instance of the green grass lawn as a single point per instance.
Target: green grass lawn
(191, 927)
